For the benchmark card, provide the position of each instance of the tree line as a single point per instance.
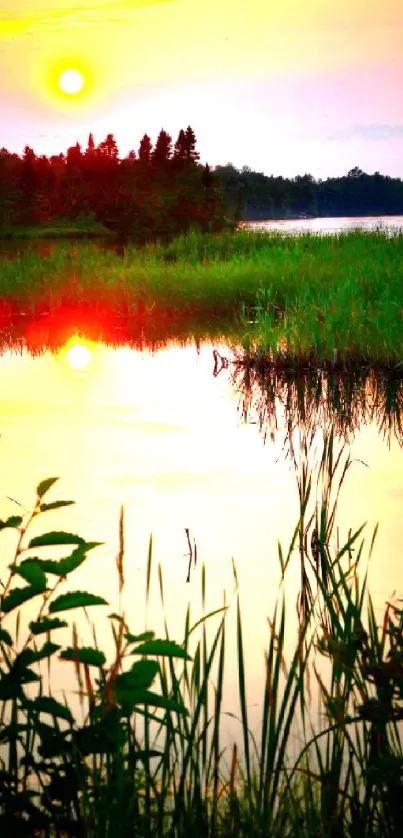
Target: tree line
(163, 190)
(255, 196)
(160, 189)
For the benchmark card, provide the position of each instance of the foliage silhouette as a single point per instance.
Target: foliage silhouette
(128, 196)
(147, 759)
(254, 196)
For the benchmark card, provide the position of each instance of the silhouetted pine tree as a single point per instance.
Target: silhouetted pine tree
(190, 145)
(109, 148)
(90, 150)
(180, 147)
(162, 150)
(28, 183)
(145, 149)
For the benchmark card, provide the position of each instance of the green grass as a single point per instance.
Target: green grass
(303, 301)
(147, 758)
(58, 229)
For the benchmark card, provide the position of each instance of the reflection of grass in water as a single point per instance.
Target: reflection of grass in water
(148, 758)
(313, 399)
(320, 298)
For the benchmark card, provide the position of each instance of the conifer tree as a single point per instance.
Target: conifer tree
(190, 145)
(145, 149)
(90, 145)
(180, 147)
(163, 149)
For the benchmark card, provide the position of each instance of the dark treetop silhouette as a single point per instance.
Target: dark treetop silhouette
(161, 190)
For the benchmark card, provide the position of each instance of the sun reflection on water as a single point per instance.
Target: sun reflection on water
(79, 355)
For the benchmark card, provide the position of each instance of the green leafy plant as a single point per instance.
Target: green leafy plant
(56, 772)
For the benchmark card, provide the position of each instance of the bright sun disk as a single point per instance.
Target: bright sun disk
(71, 81)
(79, 356)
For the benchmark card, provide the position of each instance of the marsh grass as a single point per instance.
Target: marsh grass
(301, 301)
(148, 758)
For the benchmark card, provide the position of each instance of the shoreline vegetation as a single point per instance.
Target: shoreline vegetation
(145, 755)
(85, 227)
(257, 197)
(297, 303)
(162, 190)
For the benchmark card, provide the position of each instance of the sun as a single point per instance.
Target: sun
(79, 356)
(71, 81)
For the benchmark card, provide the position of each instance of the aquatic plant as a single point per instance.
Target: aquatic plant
(147, 758)
(305, 301)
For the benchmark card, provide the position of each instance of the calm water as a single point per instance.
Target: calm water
(182, 448)
(332, 225)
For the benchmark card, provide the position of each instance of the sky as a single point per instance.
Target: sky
(282, 86)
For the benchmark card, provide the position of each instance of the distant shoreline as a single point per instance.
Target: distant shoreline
(97, 230)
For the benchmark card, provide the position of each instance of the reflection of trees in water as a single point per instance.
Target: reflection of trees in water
(143, 328)
(280, 400)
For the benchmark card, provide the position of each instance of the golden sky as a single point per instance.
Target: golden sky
(280, 85)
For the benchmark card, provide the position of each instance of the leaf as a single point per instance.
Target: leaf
(103, 737)
(75, 599)
(11, 732)
(47, 704)
(163, 701)
(62, 567)
(140, 676)
(13, 522)
(163, 648)
(46, 624)
(16, 597)
(86, 654)
(44, 486)
(31, 571)
(137, 638)
(46, 651)
(56, 504)
(28, 656)
(49, 539)
(129, 685)
(53, 742)
(10, 687)
(129, 698)
(28, 677)
(5, 637)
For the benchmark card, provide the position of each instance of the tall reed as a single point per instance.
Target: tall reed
(148, 756)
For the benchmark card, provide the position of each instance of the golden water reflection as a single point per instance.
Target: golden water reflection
(161, 435)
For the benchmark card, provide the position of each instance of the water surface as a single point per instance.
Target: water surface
(181, 449)
(385, 223)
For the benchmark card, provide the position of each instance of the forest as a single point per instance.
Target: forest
(162, 190)
(256, 196)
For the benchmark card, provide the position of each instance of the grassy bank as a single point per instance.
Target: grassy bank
(299, 301)
(148, 758)
(85, 227)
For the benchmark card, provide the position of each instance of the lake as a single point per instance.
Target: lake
(181, 440)
(331, 225)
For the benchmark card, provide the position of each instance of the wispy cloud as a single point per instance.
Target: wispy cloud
(376, 132)
(22, 23)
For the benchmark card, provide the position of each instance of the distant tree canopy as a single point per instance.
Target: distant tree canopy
(254, 196)
(160, 190)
